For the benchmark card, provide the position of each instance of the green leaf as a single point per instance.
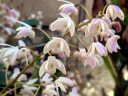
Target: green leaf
(117, 2)
(31, 22)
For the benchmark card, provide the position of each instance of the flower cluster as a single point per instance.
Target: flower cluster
(102, 29)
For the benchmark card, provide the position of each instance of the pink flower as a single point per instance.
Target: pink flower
(97, 47)
(91, 60)
(24, 31)
(96, 27)
(57, 45)
(112, 44)
(63, 24)
(68, 8)
(114, 11)
(51, 65)
(87, 58)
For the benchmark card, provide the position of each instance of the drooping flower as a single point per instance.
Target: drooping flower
(46, 79)
(64, 24)
(95, 27)
(51, 65)
(114, 11)
(24, 31)
(112, 44)
(97, 47)
(28, 89)
(28, 85)
(68, 8)
(90, 60)
(24, 92)
(62, 82)
(57, 45)
(87, 58)
(50, 90)
(16, 72)
(9, 54)
(23, 51)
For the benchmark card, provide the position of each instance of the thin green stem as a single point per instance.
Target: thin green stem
(44, 32)
(29, 84)
(8, 92)
(37, 91)
(23, 71)
(82, 24)
(15, 93)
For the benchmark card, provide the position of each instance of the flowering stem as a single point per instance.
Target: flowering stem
(45, 33)
(24, 70)
(82, 24)
(37, 91)
(110, 67)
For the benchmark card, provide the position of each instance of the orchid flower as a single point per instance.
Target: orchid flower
(62, 82)
(112, 44)
(16, 72)
(68, 8)
(96, 26)
(114, 11)
(26, 92)
(28, 85)
(87, 58)
(24, 31)
(50, 90)
(23, 52)
(97, 47)
(57, 45)
(10, 53)
(63, 24)
(46, 78)
(51, 65)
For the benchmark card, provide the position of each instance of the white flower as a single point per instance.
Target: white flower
(62, 82)
(24, 31)
(68, 8)
(114, 11)
(16, 72)
(97, 47)
(51, 65)
(23, 52)
(57, 45)
(46, 79)
(10, 53)
(112, 44)
(49, 90)
(26, 92)
(63, 24)
(28, 85)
